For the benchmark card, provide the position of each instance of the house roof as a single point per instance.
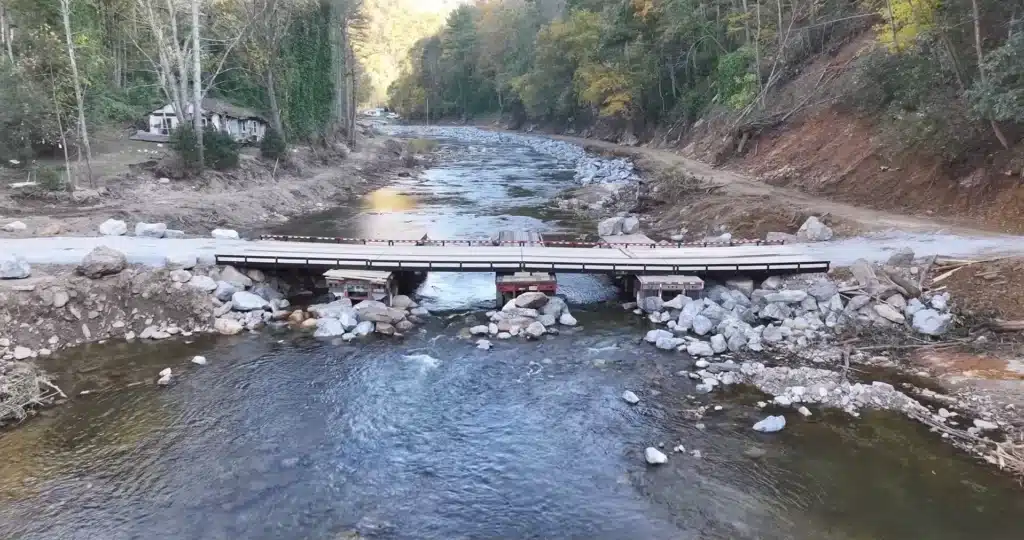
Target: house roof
(219, 106)
(214, 105)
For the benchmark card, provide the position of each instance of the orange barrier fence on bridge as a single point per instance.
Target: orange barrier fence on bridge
(472, 242)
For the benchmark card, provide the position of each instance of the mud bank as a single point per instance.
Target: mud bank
(254, 197)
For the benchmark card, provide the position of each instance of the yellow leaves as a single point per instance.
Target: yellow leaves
(605, 88)
(904, 21)
(644, 8)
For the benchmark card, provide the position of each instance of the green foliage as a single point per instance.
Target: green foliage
(308, 86)
(50, 178)
(27, 120)
(184, 141)
(737, 87)
(909, 18)
(219, 149)
(273, 145)
(1000, 96)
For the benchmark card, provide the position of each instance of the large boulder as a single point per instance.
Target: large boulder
(535, 330)
(931, 322)
(700, 348)
(224, 234)
(150, 230)
(206, 284)
(813, 230)
(823, 290)
(363, 329)
(227, 327)
(224, 291)
(555, 306)
(531, 300)
(890, 313)
(114, 227)
(654, 335)
(102, 261)
(13, 267)
(702, 325)
(630, 225)
(902, 257)
(652, 304)
(610, 227)
(231, 275)
(788, 296)
(267, 292)
(329, 328)
(403, 302)
(669, 343)
(334, 309)
(247, 301)
(567, 319)
(771, 424)
(15, 226)
(182, 261)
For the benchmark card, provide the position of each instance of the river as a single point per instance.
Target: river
(286, 437)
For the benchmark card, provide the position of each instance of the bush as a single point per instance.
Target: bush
(422, 146)
(273, 145)
(219, 148)
(50, 179)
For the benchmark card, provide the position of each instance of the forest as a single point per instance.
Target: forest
(74, 68)
(950, 72)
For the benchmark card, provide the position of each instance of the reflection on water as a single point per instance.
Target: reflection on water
(282, 436)
(388, 200)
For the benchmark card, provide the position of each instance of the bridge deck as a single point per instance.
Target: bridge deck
(699, 261)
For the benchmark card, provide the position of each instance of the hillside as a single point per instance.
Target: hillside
(897, 105)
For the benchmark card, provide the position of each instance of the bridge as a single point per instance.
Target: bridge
(424, 255)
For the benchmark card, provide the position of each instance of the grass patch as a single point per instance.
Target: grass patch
(422, 146)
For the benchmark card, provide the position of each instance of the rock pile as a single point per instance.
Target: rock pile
(530, 315)
(794, 313)
(342, 318)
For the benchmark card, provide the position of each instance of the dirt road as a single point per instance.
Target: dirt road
(739, 184)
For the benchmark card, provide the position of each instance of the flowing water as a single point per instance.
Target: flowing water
(286, 437)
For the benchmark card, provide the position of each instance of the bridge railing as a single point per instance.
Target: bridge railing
(524, 243)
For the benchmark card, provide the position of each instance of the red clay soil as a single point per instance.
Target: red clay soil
(836, 155)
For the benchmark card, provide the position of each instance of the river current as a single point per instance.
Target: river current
(283, 436)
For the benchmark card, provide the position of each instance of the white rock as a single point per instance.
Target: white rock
(630, 225)
(181, 276)
(166, 372)
(164, 380)
(889, 313)
(174, 233)
(678, 302)
(199, 360)
(669, 343)
(719, 344)
(629, 397)
(700, 348)
(531, 300)
(789, 296)
(150, 230)
(771, 424)
(102, 261)
(702, 325)
(813, 230)
(247, 301)
(931, 322)
(653, 456)
(985, 425)
(804, 411)
(21, 353)
(227, 327)
(205, 284)
(535, 330)
(14, 267)
(479, 330)
(567, 319)
(329, 327)
(362, 329)
(113, 227)
(180, 260)
(771, 283)
(224, 234)
(940, 302)
(610, 227)
(654, 335)
(483, 344)
(15, 226)
(902, 257)
(702, 364)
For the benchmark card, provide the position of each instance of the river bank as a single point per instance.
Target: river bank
(256, 196)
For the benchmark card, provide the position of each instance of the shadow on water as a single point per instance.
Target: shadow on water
(285, 436)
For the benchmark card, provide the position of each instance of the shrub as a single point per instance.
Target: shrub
(273, 145)
(50, 179)
(184, 141)
(219, 148)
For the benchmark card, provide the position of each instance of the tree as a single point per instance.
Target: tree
(83, 130)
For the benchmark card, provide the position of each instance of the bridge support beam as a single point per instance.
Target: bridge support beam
(509, 285)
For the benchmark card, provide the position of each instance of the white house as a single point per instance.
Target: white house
(242, 123)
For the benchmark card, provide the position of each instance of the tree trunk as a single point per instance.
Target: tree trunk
(275, 108)
(65, 8)
(892, 26)
(5, 31)
(339, 104)
(981, 69)
(197, 84)
(63, 137)
(350, 88)
(746, 23)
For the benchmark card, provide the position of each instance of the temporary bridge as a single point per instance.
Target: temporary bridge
(605, 257)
